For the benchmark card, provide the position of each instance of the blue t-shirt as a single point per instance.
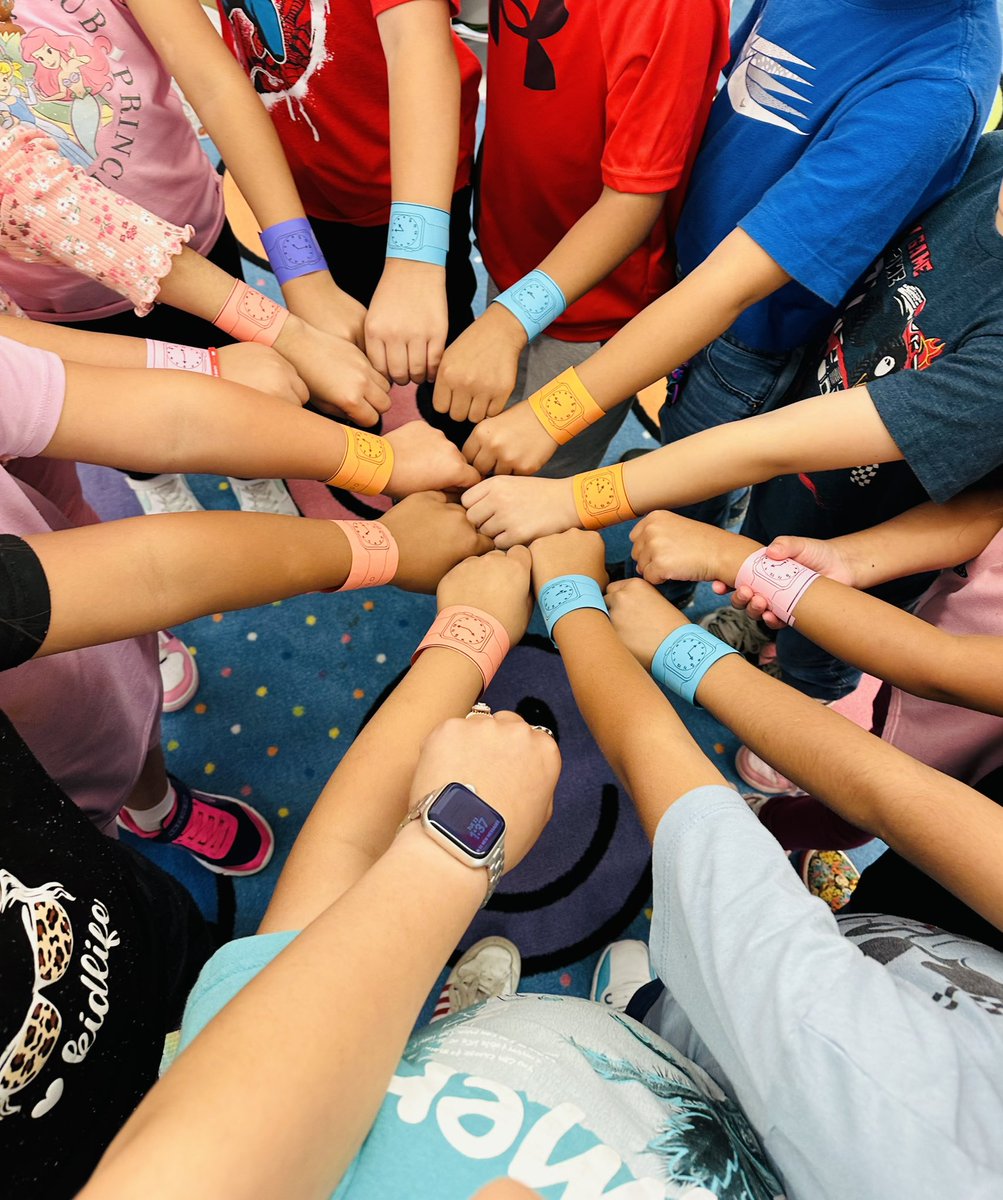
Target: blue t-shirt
(569, 1096)
(841, 121)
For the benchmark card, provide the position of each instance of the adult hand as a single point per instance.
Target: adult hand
(408, 321)
(667, 546)
(508, 763)
(478, 371)
(426, 460)
(321, 303)
(497, 583)
(264, 369)
(642, 617)
(432, 536)
(512, 443)
(517, 511)
(340, 378)
(825, 557)
(575, 552)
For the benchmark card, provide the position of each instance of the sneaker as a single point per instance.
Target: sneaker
(623, 969)
(737, 629)
(758, 774)
(264, 496)
(179, 672)
(830, 875)
(491, 967)
(164, 494)
(225, 835)
(768, 661)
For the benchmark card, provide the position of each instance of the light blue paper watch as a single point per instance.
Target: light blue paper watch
(536, 301)
(418, 232)
(685, 657)
(567, 593)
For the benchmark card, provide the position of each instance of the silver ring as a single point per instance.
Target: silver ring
(480, 709)
(544, 729)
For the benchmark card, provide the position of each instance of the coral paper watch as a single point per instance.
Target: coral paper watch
(466, 827)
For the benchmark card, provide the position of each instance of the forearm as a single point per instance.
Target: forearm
(639, 732)
(600, 240)
(76, 345)
(342, 837)
(949, 831)
(736, 275)
(301, 1100)
(163, 570)
(195, 285)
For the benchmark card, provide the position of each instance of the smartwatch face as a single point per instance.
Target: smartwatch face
(465, 819)
(406, 231)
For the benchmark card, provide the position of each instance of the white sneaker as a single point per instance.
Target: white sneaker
(623, 969)
(164, 494)
(491, 967)
(178, 671)
(264, 496)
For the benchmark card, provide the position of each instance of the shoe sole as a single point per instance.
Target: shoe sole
(237, 872)
(757, 782)
(179, 702)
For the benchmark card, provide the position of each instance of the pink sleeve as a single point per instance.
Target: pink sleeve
(9, 307)
(32, 390)
(52, 212)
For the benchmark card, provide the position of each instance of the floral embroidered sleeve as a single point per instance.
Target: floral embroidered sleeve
(52, 212)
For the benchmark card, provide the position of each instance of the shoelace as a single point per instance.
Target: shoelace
(209, 830)
(171, 496)
(480, 986)
(263, 494)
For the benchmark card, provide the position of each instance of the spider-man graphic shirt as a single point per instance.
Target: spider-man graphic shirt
(584, 94)
(321, 72)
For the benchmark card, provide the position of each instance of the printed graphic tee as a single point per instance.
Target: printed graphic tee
(840, 122)
(321, 72)
(86, 76)
(586, 95)
(564, 1094)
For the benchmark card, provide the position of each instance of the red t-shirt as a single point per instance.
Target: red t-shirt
(587, 93)
(320, 69)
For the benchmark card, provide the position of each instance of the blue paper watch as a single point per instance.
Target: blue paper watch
(418, 232)
(685, 657)
(536, 301)
(567, 593)
(293, 249)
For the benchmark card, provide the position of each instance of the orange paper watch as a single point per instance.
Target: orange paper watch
(367, 465)
(601, 498)
(565, 407)
(249, 316)
(472, 632)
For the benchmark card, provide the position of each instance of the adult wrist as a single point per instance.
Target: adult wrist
(419, 852)
(684, 657)
(292, 249)
(418, 232)
(536, 301)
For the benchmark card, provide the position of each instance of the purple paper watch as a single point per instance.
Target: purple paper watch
(293, 249)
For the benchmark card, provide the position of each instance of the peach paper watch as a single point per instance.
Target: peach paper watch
(375, 554)
(472, 632)
(249, 316)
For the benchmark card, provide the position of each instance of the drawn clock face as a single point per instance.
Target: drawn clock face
(370, 537)
(561, 405)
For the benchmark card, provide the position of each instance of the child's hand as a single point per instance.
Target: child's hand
(321, 303)
(825, 557)
(512, 443)
(408, 321)
(510, 765)
(667, 546)
(497, 583)
(642, 617)
(432, 536)
(574, 552)
(264, 369)
(517, 511)
(338, 374)
(426, 460)
(478, 371)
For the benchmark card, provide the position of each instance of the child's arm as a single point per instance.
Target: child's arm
(238, 123)
(478, 371)
(407, 321)
(860, 629)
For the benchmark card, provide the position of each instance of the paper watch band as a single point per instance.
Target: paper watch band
(565, 407)
(535, 301)
(567, 593)
(293, 249)
(472, 632)
(418, 232)
(249, 316)
(684, 658)
(367, 465)
(782, 582)
(169, 356)
(375, 554)
(601, 498)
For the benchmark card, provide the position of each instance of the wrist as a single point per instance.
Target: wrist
(410, 268)
(421, 860)
(504, 324)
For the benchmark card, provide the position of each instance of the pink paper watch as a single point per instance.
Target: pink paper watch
(781, 582)
(472, 632)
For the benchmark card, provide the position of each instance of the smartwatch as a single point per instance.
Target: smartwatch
(466, 827)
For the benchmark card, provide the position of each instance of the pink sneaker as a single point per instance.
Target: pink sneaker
(225, 835)
(178, 671)
(758, 774)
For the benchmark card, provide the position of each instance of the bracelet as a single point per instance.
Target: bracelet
(601, 498)
(293, 249)
(781, 582)
(565, 407)
(214, 367)
(474, 633)
(169, 356)
(685, 657)
(249, 316)
(375, 554)
(367, 465)
(565, 594)
(418, 232)
(535, 301)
